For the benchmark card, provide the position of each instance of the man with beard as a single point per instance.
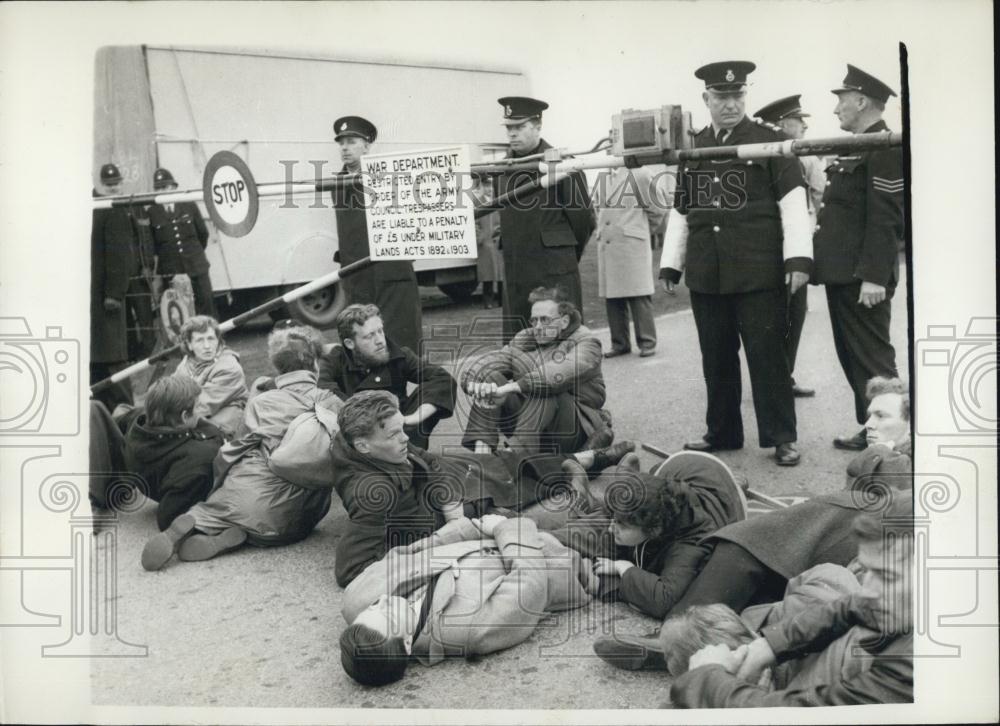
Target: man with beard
(368, 360)
(392, 285)
(542, 233)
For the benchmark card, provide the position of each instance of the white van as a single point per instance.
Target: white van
(177, 106)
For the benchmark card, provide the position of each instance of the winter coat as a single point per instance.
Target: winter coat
(223, 388)
(790, 541)
(111, 265)
(629, 208)
(175, 462)
(248, 494)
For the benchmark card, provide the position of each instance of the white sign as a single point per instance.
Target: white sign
(416, 209)
(230, 194)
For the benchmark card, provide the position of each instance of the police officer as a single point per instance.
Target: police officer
(543, 233)
(858, 233)
(740, 234)
(787, 115)
(390, 285)
(180, 237)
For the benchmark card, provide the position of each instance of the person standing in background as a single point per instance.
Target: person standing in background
(787, 115)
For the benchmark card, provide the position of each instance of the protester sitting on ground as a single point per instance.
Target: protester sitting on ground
(252, 502)
(396, 493)
(367, 360)
(753, 560)
(106, 449)
(474, 587)
(544, 389)
(217, 370)
(653, 547)
(172, 448)
(719, 677)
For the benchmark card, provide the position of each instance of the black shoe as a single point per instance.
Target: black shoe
(800, 392)
(706, 446)
(614, 353)
(858, 442)
(787, 455)
(611, 455)
(631, 652)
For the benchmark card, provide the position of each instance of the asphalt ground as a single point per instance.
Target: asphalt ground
(260, 627)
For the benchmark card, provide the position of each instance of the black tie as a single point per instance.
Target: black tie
(722, 136)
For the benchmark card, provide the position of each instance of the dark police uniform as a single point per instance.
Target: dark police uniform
(735, 270)
(543, 233)
(180, 238)
(390, 284)
(858, 231)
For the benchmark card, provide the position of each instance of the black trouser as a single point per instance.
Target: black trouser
(797, 308)
(201, 286)
(734, 577)
(861, 337)
(139, 318)
(757, 318)
(641, 307)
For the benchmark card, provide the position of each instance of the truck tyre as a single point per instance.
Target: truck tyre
(459, 291)
(320, 309)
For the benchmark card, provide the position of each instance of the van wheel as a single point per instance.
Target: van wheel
(319, 309)
(459, 291)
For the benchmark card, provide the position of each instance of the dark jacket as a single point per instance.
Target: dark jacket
(180, 239)
(112, 263)
(543, 237)
(176, 464)
(390, 284)
(860, 221)
(735, 238)
(889, 680)
(819, 529)
(340, 373)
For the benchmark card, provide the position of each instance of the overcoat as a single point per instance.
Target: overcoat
(629, 208)
(112, 263)
(542, 235)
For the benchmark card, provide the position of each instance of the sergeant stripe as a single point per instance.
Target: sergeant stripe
(887, 190)
(897, 180)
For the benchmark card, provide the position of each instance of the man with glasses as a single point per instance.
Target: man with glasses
(544, 389)
(740, 234)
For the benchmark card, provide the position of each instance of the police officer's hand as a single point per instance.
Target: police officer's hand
(871, 294)
(111, 305)
(795, 280)
(668, 287)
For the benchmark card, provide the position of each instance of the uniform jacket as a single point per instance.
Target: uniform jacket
(667, 564)
(174, 462)
(572, 363)
(490, 593)
(819, 529)
(395, 504)
(340, 373)
(180, 238)
(860, 223)
(735, 238)
(629, 209)
(222, 382)
(888, 680)
(112, 263)
(248, 494)
(543, 237)
(392, 285)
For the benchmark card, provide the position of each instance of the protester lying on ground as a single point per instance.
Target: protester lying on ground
(367, 360)
(254, 499)
(474, 587)
(647, 537)
(396, 493)
(217, 370)
(171, 448)
(878, 618)
(545, 389)
(753, 560)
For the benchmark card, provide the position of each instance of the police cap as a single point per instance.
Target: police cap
(725, 75)
(110, 174)
(788, 107)
(354, 126)
(857, 80)
(162, 179)
(518, 109)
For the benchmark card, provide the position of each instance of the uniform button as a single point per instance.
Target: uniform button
(822, 204)
(716, 180)
(716, 203)
(378, 379)
(828, 183)
(715, 228)
(817, 228)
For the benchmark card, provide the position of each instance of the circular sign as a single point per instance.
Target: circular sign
(173, 314)
(230, 194)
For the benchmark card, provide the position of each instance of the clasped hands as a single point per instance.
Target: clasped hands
(749, 662)
(487, 393)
